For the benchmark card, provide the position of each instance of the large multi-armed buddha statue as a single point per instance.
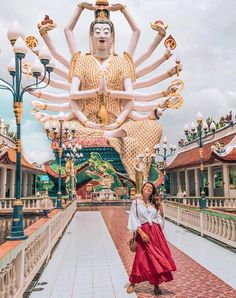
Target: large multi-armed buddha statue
(100, 88)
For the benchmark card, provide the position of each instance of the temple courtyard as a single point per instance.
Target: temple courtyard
(93, 260)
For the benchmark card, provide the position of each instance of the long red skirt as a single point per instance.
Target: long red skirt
(152, 261)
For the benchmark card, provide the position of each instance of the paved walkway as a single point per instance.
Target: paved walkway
(215, 258)
(88, 262)
(85, 264)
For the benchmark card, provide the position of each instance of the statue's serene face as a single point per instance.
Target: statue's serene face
(102, 38)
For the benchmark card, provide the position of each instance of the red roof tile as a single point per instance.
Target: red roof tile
(10, 157)
(192, 157)
(230, 157)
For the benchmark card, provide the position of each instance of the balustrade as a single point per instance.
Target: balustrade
(19, 266)
(30, 203)
(218, 203)
(220, 226)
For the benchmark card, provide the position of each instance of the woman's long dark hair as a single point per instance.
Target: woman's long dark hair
(153, 196)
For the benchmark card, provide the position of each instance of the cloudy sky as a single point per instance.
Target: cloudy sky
(206, 43)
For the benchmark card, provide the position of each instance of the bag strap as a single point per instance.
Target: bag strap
(137, 208)
(136, 205)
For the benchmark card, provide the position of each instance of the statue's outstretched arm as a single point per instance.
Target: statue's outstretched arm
(78, 112)
(39, 105)
(51, 96)
(157, 79)
(130, 94)
(60, 72)
(59, 57)
(136, 32)
(145, 106)
(75, 94)
(43, 117)
(137, 116)
(75, 102)
(172, 100)
(69, 30)
(150, 50)
(138, 96)
(153, 66)
(153, 115)
(57, 84)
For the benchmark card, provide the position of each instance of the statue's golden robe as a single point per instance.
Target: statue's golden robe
(90, 70)
(140, 134)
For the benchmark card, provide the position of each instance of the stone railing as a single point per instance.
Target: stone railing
(217, 202)
(29, 204)
(19, 266)
(216, 224)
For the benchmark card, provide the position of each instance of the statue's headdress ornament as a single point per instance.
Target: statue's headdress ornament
(102, 13)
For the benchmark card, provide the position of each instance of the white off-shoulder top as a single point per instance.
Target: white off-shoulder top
(145, 214)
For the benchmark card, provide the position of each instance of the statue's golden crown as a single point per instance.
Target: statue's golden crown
(101, 12)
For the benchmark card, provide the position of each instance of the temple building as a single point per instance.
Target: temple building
(219, 155)
(8, 166)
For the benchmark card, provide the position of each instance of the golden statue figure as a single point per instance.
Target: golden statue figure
(101, 91)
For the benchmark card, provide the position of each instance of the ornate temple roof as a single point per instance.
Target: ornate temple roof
(226, 153)
(8, 156)
(211, 152)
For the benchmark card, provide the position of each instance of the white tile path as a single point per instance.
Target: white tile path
(215, 258)
(85, 264)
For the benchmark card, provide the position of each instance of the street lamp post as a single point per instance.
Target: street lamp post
(164, 157)
(17, 91)
(200, 134)
(71, 158)
(59, 131)
(59, 204)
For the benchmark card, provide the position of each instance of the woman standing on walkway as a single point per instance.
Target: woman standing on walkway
(153, 261)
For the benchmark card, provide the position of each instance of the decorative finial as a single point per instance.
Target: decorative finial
(46, 25)
(102, 12)
(170, 42)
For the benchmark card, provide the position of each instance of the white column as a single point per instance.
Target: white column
(29, 184)
(210, 182)
(12, 183)
(25, 184)
(226, 180)
(3, 182)
(186, 183)
(178, 182)
(173, 184)
(197, 182)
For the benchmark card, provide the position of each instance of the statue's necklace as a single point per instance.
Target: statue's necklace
(101, 59)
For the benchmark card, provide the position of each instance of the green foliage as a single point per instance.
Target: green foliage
(42, 182)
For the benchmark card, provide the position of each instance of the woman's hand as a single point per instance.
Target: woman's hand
(144, 237)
